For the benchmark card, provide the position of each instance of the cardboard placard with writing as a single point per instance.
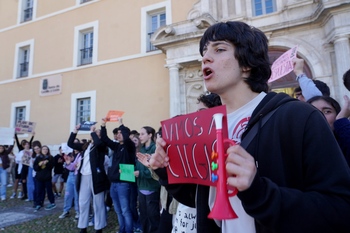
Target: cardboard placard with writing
(113, 115)
(190, 139)
(27, 155)
(25, 127)
(86, 125)
(6, 136)
(283, 65)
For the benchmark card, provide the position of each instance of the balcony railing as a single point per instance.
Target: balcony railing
(150, 46)
(86, 56)
(23, 69)
(28, 14)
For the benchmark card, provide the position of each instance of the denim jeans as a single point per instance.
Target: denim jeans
(71, 194)
(3, 179)
(30, 184)
(121, 195)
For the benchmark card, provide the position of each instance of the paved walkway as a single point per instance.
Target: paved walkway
(24, 213)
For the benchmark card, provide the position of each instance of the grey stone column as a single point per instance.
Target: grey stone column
(174, 89)
(342, 55)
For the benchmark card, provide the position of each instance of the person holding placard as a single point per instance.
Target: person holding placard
(286, 165)
(91, 180)
(120, 190)
(18, 168)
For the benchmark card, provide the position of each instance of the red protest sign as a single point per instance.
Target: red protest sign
(190, 141)
(113, 115)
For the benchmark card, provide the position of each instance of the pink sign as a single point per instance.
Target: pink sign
(190, 141)
(283, 65)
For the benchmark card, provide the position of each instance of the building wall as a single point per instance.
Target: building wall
(123, 77)
(149, 86)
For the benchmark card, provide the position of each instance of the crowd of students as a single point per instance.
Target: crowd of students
(282, 170)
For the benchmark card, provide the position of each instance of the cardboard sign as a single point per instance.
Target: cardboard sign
(113, 115)
(185, 220)
(25, 127)
(86, 125)
(27, 155)
(190, 141)
(6, 136)
(65, 148)
(283, 65)
(127, 172)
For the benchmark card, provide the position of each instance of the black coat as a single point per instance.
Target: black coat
(97, 157)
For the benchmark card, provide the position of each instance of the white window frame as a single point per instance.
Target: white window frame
(145, 20)
(18, 57)
(21, 8)
(78, 41)
(79, 2)
(15, 105)
(263, 7)
(73, 107)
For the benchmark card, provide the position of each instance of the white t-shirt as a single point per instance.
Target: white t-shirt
(237, 121)
(86, 168)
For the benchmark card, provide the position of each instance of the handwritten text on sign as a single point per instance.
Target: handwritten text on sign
(283, 65)
(190, 141)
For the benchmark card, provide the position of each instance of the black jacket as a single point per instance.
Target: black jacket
(97, 157)
(5, 157)
(302, 183)
(43, 173)
(122, 153)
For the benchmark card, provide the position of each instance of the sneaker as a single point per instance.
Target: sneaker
(137, 230)
(20, 195)
(24, 197)
(50, 206)
(64, 215)
(13, 195)
(27, 200)
(59, 194)
(3, 198)
(91, 223)
(76, 216)
(9, 185)
(37, 208)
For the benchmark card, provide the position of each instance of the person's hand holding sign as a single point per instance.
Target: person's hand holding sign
(76, 129)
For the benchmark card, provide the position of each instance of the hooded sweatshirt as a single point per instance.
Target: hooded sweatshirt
(302, 182)
(122, 153)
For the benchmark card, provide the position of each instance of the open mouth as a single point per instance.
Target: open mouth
(207, 71)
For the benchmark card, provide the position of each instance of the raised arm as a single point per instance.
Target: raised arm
(308, 87)
(70, 142)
